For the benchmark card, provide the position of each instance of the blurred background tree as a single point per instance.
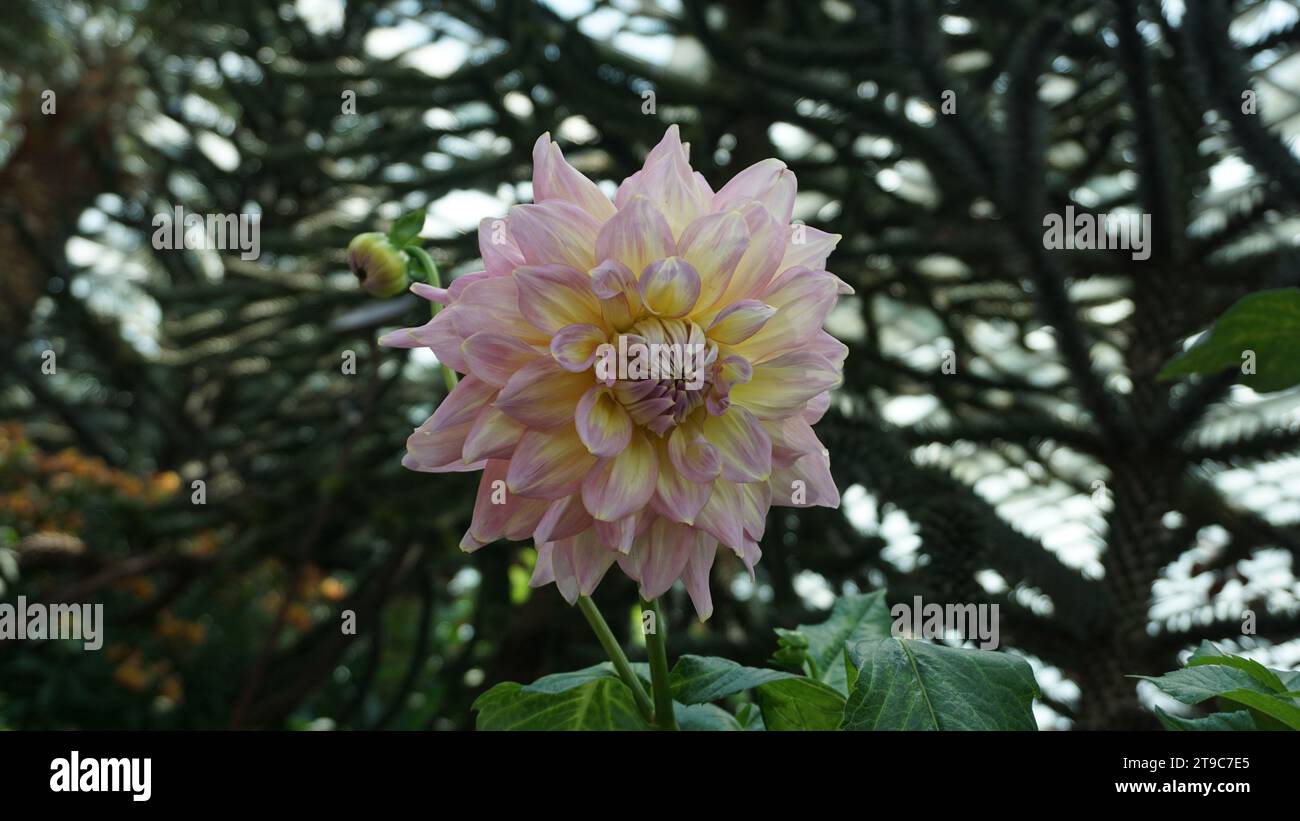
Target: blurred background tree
(1000, 437)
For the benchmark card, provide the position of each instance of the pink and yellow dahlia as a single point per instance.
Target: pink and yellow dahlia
(654, 462)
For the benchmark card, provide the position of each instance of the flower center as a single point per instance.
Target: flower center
(665, 369)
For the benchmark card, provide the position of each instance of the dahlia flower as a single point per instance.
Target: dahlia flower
(655, 462)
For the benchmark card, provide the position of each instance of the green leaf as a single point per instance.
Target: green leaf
(750, 717)
(1270, 705)
(407, 228)
(559, 682)
(1266, 322)
(1254, 669)
(1237, 720)
(913, 685)
(854, 619)
(704, 717)
(600, 704)
(700, 679)
(800, 704)
(1192, 685)
(562, 682)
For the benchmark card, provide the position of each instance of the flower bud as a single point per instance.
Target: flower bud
(378, 264)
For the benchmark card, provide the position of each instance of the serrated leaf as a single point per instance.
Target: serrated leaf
(913, 685)
(704, 717)
(600, 704)
(1236, 720)
(800, 704)
(559, 682)
(701, 679)
(1270, 705)
(1267, 323)
(854, 619)
(1192, 685)
(407, 228)
(1254, 669)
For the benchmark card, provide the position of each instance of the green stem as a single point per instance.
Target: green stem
(615, 653)
(656, 644)
(430, 271)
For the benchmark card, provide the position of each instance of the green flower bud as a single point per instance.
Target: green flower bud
(379, 265)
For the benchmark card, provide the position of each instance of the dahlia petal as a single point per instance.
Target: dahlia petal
(611, 278)
(762, 257)
(555, 179)
(696, 575)
(743, 445)
(806, 483)
(749, 553)
(724, 515)
(603, 424)
(669, 145)
(497, 248)
(493, 303)
(543, 569)
(574, 347)
(566, 576)
(554, 232)
(678, 498)
(617, 289)
(623, 484)
(564, 517)
(792, 437)
(706, 190)
(628, 188)
(496, 357)
(492, 436)
(636, 236)
(548, 464)
(552, 297)
(756, 501)
(542, 394)
(670, 184)
(714, 244)
(740, 320)
(692, 455)
(438, 334)
(589, 560)
(459, 284)
(808, 248)
(617, 536)
(817, 407)
(782, 387)
(802, 299)
(828, 347)
(768, 181)
(424, 290)
(462, 405)
(658, 557)
(669, 287)
(431, 451)
(499, 514)
(734, 370)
